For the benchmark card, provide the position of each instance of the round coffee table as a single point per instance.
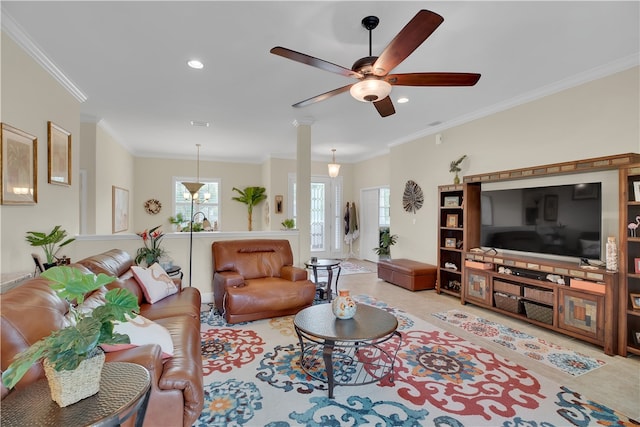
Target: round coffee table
(350, 349)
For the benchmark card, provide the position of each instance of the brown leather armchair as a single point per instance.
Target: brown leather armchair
(255, 279)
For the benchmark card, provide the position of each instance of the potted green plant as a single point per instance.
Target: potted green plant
(151, 252)
(289, 224)
(75, 347)
(454, 167)
(51, 243)
(251, 196)
(386, 241)
(178, 221)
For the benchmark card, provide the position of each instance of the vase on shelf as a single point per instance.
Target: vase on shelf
(343, 306)
(456, 179)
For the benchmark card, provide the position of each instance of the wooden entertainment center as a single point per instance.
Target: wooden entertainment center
(587, 303)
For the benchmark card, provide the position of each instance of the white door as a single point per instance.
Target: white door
(326, 199)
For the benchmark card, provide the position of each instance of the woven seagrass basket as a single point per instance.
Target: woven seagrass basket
(68, 387)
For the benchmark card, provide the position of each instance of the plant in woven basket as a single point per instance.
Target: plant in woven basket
(64, 349)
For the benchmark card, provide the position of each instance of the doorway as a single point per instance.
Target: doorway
(375, 207)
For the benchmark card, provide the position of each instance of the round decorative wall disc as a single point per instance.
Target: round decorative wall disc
(412, 199)
(152, 206)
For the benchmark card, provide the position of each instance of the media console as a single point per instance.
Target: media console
(579, 302)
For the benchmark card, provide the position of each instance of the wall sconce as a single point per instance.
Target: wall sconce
(334, 168)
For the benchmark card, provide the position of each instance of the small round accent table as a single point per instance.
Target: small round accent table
(351, 350)
(124, 391)
(329, 265)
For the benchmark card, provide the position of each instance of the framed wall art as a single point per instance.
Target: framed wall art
(59, 145)
(19, 164)
(278, 206)
(120, 209)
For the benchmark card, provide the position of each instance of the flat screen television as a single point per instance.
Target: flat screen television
(563, 220)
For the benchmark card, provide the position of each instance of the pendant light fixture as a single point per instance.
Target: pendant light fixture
(334, 168)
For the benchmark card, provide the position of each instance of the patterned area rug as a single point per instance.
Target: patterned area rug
(550, 354)
(253, 378)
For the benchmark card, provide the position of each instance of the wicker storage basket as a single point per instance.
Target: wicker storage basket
(539, 312)
(507, 288)
(507, 302)
(68, 387)
(542, 295)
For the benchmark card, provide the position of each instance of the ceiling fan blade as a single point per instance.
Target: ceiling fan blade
(322, 97)
(314, 62)
(408, 39)
(433, 79)
(385, 107)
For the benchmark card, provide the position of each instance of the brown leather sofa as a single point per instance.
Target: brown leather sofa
(255, 279)
(32, 310)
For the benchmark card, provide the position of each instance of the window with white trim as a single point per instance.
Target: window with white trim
(210, 207)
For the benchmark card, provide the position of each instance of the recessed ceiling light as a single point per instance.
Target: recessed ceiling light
(195, 64)
(199, 123)
(403, 100)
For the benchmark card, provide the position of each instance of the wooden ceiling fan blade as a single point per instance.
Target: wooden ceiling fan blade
(433, 79)
(408, 39)
(314, 62)
(322, 97)
(385, 107)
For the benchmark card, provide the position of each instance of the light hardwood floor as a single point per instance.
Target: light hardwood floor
(616, 384)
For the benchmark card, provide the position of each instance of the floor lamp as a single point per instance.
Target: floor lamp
(193, 188)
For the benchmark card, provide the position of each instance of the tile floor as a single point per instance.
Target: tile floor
(617, 384)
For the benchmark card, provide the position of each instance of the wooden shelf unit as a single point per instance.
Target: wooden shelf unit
(584, 314)
(616, 321)
(468, 198)
(629, 251)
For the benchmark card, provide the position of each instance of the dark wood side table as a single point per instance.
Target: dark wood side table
(124, 391)
(329, 265)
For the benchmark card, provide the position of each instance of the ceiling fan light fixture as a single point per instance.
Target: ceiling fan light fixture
(370, 90)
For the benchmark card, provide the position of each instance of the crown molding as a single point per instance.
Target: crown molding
(22, 39)
(587, 76)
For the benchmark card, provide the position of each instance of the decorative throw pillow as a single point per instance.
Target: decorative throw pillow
(155, 282)
(142, 331)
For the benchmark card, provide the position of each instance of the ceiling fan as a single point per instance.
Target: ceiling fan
(375, 82)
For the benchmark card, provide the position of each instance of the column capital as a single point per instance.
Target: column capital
(308, 121)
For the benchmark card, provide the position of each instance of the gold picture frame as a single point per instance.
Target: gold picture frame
(19, 167)
(452, 220)
(635, 301)
(450, 242)
(59, 150)
(120, 209)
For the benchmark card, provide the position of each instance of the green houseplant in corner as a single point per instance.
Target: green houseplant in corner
(76, 348)
(386, 241)
(51, 243)
(251, 196)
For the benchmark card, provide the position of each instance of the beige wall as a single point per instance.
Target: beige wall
(595, 119)
(30, 97)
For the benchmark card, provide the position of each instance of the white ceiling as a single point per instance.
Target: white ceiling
(129, 59)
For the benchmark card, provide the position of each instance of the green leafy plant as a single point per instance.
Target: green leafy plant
(386, 241)
(178, 220)
(151, 251)
(454, 167)
(51, 243)
(250, 196)
(289, 223)
(66, 348)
